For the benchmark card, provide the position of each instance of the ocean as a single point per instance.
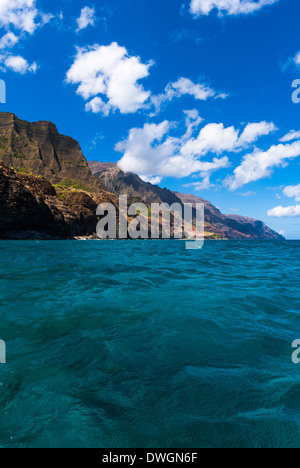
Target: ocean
(122, 344)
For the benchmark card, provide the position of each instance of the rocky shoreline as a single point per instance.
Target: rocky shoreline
(32, 208)
(48, 190)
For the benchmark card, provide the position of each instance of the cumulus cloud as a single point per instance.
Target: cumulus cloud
(285, 212)
(24, 18)
(8, 41)
(152, 180)
(293, 135)
(151, 151)
(204, 184)
(87, 18)
(192, 122)
(228, 7)
(255, 130)
(97, 105)
(297, 58)
(292, 61)
(260, 164)
(18, 64)
(217, 139)
(182, 87)
(22, 15)
(292, 191)
(108, 78)
(186, 86)
(213, 138)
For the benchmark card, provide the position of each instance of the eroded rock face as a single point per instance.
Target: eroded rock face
(38, 148)
(31, 208)
(121, 183)
(231, 226)
(254, 227)
(217, 225)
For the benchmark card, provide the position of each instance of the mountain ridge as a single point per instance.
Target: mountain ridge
(32, 150)
(38, 148)
(119, 182)
(233, 226)
(217, 225)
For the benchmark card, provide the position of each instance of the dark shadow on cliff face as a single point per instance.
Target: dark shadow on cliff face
(32, 208)
(49, 190)
(217, 225)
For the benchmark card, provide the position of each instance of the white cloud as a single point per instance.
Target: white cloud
(192, 121)
(97, 105)
(151, 151)
(144, 150)
(153, 180)
(109, 72)
(18, 64)
(22, 15)
(87, 18)
(292, 191)
(293, 135)
(204, 184)
(213, 138)
(184, 86)
(260, 164)
(285, 212)
(255, 130)
(217, 139)
(297, 58)
(8, 41)
(228, 7)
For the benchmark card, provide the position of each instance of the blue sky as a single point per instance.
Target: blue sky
(195, 95)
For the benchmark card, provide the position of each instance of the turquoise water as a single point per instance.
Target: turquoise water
(145, 344)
